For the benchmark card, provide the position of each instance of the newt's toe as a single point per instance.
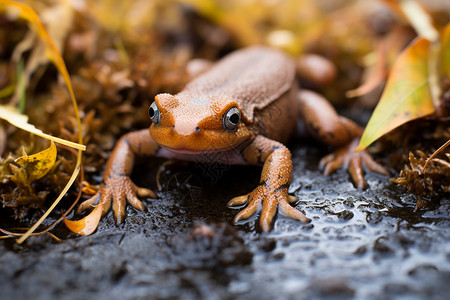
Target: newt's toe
(268, 212)
(289, 211)
(333, 165)
(355, 169)
(268, 203)
(373, 166)
(326, 160)
(238, 201)
(249, 211)
(88, 203)
(354, 162)
(292, 199)
(118, 206)
(135, 202)
(144, 192)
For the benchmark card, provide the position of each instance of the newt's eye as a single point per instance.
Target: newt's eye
(153, 113)
(231, 119)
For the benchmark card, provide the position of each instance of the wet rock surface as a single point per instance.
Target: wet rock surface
(360, 244)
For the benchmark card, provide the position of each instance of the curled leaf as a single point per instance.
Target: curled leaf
(379, 62)
(88, 224)
(374, 76)
(37, 165)
(406, 96)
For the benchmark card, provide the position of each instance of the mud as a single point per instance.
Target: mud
(360, 244)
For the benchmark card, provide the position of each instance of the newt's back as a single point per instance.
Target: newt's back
(254, 77)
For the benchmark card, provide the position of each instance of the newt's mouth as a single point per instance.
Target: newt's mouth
(200, 143)
(186, 151)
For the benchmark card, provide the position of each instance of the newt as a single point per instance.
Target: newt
(229, 108)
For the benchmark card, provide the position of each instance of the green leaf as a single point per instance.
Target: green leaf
(406, 96)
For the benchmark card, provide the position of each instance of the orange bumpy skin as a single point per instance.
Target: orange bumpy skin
(245, 107)
(272, 191)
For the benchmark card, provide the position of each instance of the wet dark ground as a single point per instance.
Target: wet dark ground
(360, 244)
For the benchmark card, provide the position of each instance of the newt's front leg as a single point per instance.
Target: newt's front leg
(272, 191)
(324, 123)
(117, 185)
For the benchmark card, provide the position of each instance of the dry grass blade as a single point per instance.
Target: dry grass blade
(12, 115)
(435, 153)
(28, 14)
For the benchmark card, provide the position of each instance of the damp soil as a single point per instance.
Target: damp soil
(360, 244)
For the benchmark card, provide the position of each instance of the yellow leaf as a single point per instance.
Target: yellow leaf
(406, 96)
(37, 165)
(88, 224)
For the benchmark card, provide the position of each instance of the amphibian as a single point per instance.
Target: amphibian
(245, 106)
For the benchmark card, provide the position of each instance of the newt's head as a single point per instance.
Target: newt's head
(191, 124)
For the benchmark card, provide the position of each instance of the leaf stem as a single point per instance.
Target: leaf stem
(434, 155)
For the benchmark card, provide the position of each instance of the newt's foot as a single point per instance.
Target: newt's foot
(345, 157)
(118, 189)
(267, 202)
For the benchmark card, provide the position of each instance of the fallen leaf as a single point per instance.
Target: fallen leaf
(379, 62)
(88, 224)
(37, 165)
(406, 96)
(375, 73)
